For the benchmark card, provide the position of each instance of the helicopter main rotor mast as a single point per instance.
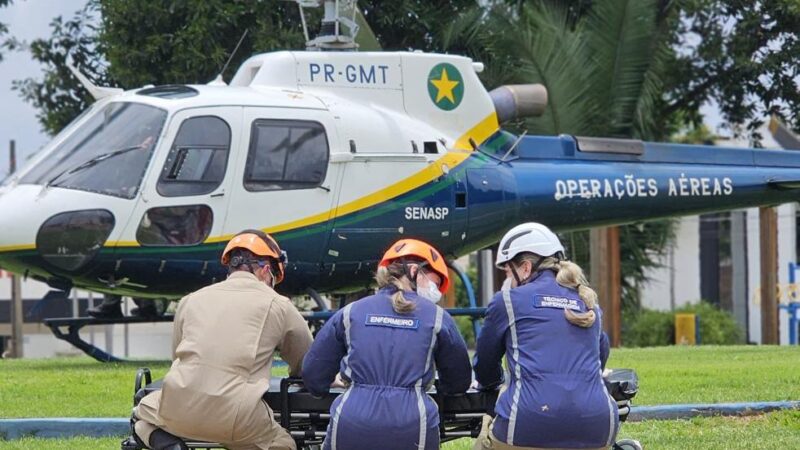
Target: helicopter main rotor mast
(339, 25)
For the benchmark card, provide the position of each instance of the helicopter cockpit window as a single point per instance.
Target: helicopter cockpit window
(106, 154)
(175, 225)
(498, 144)
(286, 154)
(199, 156)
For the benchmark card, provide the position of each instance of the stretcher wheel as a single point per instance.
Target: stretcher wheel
(627, 444)
(130, 444)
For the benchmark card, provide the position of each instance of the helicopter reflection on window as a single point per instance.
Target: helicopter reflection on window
(175, 226)
(106, 154)
(286, 154)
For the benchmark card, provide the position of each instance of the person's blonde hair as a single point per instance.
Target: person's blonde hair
(394, 275)
(569, 275)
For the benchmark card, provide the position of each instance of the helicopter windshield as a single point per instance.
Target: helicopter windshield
(107, 154)
(498, 144)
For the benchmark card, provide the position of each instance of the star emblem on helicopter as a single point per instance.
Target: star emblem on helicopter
(445, 86)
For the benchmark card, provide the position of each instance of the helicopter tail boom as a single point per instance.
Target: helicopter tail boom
(566, 187)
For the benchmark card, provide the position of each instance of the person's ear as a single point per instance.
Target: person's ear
(413, 272)
(526, 268)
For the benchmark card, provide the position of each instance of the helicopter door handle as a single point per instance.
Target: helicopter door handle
(221, 194)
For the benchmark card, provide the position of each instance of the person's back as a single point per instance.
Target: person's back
(388, 347)
(556, 397)
(224, 340)
(229, 334)
(547, 323)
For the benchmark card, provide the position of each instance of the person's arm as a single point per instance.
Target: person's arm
(322, 361)
(490, 347)
(177, 326)
(296, 339)
(452, 359)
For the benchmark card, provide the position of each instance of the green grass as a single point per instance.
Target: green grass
(712, 374)
(81, 387)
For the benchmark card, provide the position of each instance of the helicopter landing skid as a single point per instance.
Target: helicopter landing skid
(74, 325)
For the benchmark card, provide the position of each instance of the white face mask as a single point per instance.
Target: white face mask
(431, 292)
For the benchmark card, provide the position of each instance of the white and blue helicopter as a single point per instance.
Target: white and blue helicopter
(337, 154)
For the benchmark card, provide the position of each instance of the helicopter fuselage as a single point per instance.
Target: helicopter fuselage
(337, 155)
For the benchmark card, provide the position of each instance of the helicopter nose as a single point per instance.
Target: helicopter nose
(15, 235)
(35, 229)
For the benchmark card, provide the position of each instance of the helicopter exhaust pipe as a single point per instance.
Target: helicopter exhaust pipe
(516, 101)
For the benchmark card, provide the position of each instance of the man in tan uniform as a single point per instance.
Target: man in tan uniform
(224, 339)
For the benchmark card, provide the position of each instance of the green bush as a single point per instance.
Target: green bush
(465, 327)
(648, 328)
(717, 327)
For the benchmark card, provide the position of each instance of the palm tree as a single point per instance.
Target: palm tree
(602, 63)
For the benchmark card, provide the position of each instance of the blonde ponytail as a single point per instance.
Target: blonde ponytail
(394, 276)
(570, 275)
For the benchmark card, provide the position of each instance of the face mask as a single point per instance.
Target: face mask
(271, 277)
(431, 292)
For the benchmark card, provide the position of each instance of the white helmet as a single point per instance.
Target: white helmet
(528, 237)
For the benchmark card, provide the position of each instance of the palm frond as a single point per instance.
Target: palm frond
(621, 43)
(550, 52)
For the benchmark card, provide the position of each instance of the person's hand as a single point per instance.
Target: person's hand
(339, 382)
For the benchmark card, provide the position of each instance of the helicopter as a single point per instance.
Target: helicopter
(337, 154)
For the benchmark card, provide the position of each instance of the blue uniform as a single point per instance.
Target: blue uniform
(390, 359)
(556, 397)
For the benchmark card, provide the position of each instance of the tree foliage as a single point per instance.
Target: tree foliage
(745, 55)
(58, 97)
(3, 30)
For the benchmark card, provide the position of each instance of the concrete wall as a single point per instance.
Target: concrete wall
(677, 282)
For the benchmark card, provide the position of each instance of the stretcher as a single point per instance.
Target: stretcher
(306, 417)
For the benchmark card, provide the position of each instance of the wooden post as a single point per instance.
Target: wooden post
(16, 285)
(768, 231)
(606, 279)
(486, 278)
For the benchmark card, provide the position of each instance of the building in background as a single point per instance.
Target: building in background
(716, 257)
(138, 341)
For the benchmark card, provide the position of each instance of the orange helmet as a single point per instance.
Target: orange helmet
(426, 252)
(260, 244)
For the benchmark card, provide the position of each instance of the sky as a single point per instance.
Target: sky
(30, 19)
(26, 20)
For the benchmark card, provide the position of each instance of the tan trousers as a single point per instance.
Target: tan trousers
(274, 436)
(487, 441)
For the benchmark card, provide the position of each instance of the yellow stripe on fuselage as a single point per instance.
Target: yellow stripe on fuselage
(16, 248)
(479, 132)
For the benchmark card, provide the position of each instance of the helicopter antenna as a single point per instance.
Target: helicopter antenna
(230, 58)
(303, 19)
(514, 146)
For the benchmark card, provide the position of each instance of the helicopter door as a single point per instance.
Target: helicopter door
(385, 197)
(184, 202)
(285, 185)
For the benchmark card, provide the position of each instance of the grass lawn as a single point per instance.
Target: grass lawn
(84, 388)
